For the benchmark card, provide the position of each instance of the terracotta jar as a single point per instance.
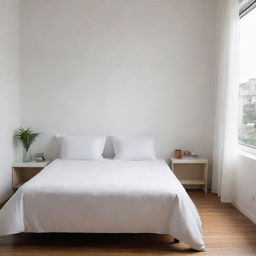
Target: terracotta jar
(178, 153)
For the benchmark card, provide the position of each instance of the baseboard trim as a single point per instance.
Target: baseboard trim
(245, 212)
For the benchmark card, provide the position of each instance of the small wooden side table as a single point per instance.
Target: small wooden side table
(191, 171)
(24, 171)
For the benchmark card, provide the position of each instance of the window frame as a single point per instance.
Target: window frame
(246, 8)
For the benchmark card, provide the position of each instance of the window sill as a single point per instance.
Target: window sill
(247, 152)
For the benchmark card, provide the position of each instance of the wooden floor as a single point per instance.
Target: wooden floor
(226, 232)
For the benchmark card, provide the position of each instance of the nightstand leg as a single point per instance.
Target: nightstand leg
(205, 178)
(205, 188)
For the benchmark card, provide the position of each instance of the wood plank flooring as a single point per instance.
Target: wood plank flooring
(226, 233)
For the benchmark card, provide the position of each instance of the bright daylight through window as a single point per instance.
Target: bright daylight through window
(247, 88)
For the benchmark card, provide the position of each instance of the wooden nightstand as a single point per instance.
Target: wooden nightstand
(24, 171)
(191, 171)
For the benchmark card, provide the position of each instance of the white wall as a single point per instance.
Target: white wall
(246, 188)
(9, 89)
(120, 67)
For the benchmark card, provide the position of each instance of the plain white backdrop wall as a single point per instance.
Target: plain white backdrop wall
(120, 67)
(9, 90)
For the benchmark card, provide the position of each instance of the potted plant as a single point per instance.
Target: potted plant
(26, 137)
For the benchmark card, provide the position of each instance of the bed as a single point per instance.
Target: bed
(104, 196)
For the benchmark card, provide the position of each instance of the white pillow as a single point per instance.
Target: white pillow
(81, 147)
(134, 148)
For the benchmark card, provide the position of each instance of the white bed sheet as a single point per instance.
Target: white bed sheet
(104, 196)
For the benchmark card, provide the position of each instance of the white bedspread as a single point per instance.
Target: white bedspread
(105, 196)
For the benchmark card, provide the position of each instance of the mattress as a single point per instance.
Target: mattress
(104, 196)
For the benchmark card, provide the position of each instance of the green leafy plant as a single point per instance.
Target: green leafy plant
(26, 137)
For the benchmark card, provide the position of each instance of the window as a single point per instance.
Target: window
(247, 87)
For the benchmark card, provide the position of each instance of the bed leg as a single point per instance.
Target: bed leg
(176, 241)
